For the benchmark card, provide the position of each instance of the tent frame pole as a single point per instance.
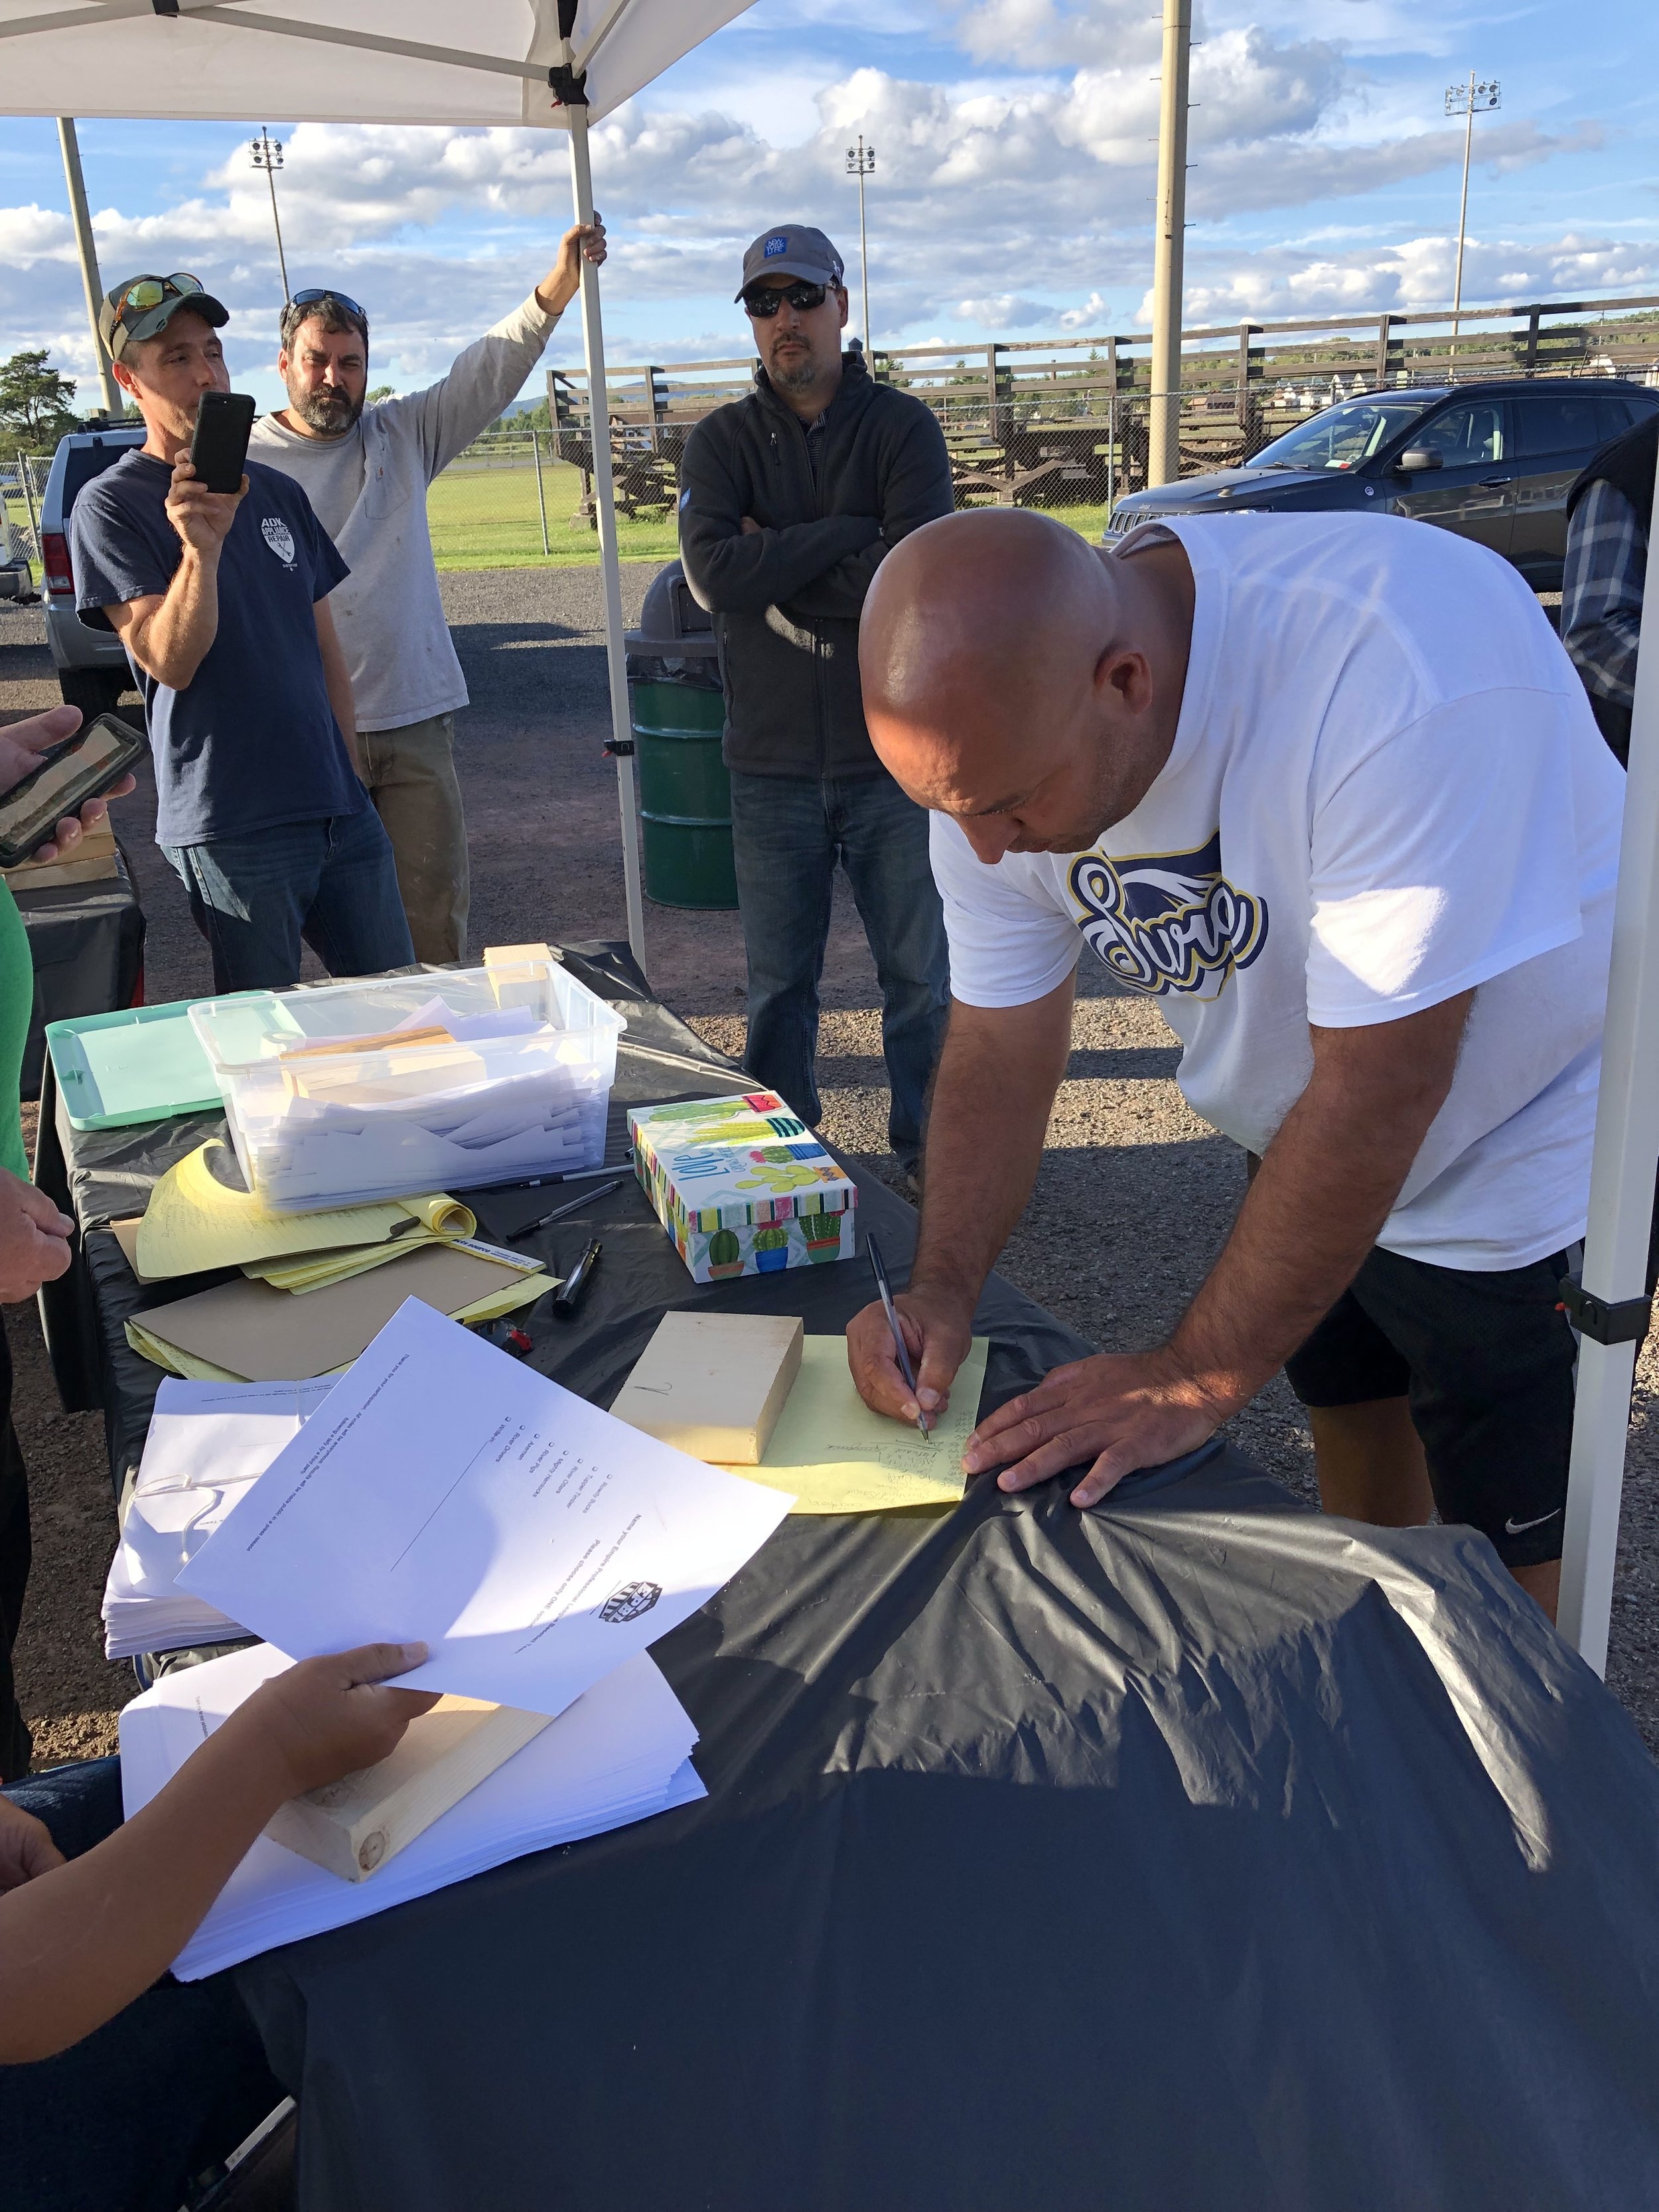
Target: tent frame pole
(604, 503)
(1621, 1190)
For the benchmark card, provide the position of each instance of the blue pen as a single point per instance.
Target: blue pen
(882, 1286)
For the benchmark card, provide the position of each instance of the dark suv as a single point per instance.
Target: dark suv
(1491, 461)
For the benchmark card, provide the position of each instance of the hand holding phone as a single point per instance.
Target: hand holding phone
(64, 778)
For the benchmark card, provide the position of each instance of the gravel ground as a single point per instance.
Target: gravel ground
(1134, 1195)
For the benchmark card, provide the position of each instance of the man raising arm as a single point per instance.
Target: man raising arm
(1367, 872)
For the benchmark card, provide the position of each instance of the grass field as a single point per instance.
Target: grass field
(488, 519)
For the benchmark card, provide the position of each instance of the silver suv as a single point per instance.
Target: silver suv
(92, 668)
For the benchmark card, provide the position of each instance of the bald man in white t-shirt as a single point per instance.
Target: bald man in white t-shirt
(1328, 788)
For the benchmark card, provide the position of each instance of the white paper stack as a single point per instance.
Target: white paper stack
(620, 1753)
(207, 1442)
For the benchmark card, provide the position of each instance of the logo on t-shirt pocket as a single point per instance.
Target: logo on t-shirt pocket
(280, 539)
(1167, 922)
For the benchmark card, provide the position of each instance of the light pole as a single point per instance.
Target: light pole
(861, 163)
(90, 280)
(1163, 420)
(268, 155)
(1467, 99)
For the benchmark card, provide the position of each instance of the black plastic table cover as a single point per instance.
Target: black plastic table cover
(86, 942)
(1192, 1854)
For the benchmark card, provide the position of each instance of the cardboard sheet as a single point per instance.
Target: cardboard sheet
(249, 1330)
(836, 1456)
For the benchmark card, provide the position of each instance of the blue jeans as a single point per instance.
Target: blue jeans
(332, 885)
(123, 2120)
(788, 833)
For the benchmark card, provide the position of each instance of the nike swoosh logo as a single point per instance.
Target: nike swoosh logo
(1520, 1527)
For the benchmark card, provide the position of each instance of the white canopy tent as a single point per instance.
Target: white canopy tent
(552, 64)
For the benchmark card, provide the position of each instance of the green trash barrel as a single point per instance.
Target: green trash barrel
(678, 711)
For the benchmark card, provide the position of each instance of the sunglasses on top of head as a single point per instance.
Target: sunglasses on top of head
(315, 293)
(763, 301)
(147, 292)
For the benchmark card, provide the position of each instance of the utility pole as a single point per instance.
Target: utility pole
(1164, 425)
(268, 155)
(92, 284)
(861, 163)
(1467, 99)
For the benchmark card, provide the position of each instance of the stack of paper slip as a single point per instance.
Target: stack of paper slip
(248, 1331)
(620, 1753)
(207, 1442)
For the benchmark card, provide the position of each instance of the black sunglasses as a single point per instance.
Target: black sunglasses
(763, 301)
(314, 293)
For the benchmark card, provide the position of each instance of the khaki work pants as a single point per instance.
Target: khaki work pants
(410, 774)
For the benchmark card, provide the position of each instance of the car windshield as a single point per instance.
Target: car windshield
(1342, 437)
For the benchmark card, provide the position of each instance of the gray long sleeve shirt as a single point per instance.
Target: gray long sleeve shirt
(368, 489)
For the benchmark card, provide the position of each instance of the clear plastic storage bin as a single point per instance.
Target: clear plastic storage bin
(382, 1089)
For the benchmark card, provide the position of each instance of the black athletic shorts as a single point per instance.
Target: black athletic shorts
(1485, 1363)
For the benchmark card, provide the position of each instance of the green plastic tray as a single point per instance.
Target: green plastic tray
(139, 1064)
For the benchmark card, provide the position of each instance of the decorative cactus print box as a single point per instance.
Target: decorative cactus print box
(742, 1186)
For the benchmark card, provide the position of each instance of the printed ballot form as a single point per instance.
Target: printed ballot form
(445, 1493)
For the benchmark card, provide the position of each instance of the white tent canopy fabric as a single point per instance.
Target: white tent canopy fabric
(338, 61)
(552, 64)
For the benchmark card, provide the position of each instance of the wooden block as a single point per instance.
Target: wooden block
(713, 1384)
(513, 956)
(353, 1826)
(91, 861)
(387, 1041)
(517, 975)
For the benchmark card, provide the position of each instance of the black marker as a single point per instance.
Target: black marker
(570, 1292)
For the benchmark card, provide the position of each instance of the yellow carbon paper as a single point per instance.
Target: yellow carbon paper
(837, 1456)
(193, 1222)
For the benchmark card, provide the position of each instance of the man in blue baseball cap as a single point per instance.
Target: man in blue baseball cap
(790, 499)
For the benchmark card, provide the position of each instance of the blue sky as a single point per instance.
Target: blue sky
(1012, 194)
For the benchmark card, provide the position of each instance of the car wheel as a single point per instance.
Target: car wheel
(93, 690)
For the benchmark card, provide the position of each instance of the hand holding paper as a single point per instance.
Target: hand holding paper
(446, 1492)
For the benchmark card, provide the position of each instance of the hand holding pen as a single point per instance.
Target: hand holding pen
(900, 1348)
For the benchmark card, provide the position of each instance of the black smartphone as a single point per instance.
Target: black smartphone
(219, 445)
(83, 767)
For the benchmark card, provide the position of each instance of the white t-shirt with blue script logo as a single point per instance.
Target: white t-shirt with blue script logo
(1386, 788)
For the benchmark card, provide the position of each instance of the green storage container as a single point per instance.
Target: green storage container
(678, 711)
(685, 794)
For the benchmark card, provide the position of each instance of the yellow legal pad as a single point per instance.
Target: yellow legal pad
(839, 1457)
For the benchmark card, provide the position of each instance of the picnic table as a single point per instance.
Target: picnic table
(1192, 1851)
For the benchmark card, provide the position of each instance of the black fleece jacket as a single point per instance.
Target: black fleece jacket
(786, 600)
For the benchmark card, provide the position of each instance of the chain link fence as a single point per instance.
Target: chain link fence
(22, 485)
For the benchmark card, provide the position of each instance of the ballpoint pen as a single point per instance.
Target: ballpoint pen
(573, 1206)
(873, 1250)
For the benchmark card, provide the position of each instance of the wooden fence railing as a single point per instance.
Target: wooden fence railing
(1062, 422)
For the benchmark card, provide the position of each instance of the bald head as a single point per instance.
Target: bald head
(1020, 680)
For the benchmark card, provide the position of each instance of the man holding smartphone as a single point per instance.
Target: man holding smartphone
(365, 469)
(221, 600)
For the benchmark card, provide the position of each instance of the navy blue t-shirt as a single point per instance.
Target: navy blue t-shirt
(251, 740)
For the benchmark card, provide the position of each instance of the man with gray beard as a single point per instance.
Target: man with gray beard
(365, 469)
(790, 499)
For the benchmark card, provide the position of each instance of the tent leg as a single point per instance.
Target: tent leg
(605, 501)
(1621, 1190)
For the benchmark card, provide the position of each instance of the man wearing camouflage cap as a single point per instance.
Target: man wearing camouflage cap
(789, 502)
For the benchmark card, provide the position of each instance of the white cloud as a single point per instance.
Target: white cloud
(1004, 311)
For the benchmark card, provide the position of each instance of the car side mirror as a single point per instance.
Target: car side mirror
(1416, 457)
